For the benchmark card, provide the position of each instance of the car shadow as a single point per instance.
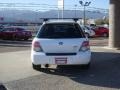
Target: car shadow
(104, 71)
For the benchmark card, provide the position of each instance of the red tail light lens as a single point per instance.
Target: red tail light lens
(85, 46)
(37, 47)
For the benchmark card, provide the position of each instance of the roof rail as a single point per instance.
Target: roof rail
(75, 19)
(46, 19)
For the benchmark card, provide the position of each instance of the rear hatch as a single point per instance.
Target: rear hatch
(61, 45)
(60, 38)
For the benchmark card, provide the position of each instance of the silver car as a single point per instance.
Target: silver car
(88, 31)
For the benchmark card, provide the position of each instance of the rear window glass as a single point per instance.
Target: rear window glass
(60, 31)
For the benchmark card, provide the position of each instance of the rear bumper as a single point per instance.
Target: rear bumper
(81, 58)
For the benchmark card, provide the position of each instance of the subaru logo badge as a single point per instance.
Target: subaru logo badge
(60, 43)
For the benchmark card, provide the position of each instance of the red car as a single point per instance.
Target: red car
(15, 33)
(101, 31)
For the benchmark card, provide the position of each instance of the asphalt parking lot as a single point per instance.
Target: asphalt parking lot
(16, 72)
(12, 46)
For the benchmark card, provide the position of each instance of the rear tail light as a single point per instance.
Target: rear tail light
(37, 47)
(85, 46)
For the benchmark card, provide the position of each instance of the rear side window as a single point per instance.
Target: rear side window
(60, 31)
(9, 29)
(20, 29)
(87, 27)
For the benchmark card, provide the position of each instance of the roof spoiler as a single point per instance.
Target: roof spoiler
(47, 19)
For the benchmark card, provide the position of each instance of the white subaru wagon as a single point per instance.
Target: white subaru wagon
(60, 42)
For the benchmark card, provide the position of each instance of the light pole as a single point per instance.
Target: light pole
(58, 13)
(37, 15)
(75, 10)
(84, 4)
(61, 8)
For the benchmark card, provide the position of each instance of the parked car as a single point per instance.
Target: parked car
(101, 31)
(1, 26)
(15, 33)
(88, 31)
(60, 42)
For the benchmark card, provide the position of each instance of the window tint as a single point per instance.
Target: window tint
(82, 27)
(20, 29)
(60, 31)
(87, 27)
(103, 28)
(8, 29)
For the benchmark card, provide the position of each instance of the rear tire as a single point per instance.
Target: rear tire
(5, 38)
(26, 39)
(14, 37)
(105, 35)
(86, 66)
(36, 67)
